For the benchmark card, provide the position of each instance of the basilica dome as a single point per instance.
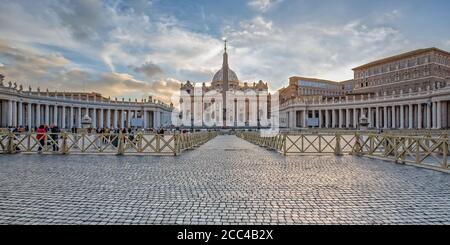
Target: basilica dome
(218, 77)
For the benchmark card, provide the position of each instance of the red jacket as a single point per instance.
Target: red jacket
(40, 134)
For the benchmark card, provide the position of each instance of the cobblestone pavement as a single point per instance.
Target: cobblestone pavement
(226, 181)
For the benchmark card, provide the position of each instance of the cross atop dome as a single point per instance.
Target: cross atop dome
(225, 42)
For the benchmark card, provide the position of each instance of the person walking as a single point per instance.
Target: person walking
(41, 137)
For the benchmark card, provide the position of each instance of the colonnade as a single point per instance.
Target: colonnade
(28, 114)
(428, 115)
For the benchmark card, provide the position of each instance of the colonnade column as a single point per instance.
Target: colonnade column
(385, 117)
(377, 115)
(428, 115)
(122, 119)
(355, 117)
(410, 115)
(94, 117)
(327, 119)
(157, 119)
(30, 122)
(14, 114)
(144, 116)
(340, 118)
(63, 117)
(320, 118)
(333, 118)
(38, 115)
(55, 115)
(20, 113)
(71, 117)
(438, 115)
(108, 118)
(115, 119)
(434, 114)
(402, 117)
(347, 118)
(129, 119)
(47, 114)
(101, 124)
(305, 118)
(393, 124)
(10, 113)
(419, 116)
(79, 117)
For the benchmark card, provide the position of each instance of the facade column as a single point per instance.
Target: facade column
(38, 115)
(47, 114)
(30, 122)
(385, 117)
(410, 116)
(10, 113)
(63, 117)
(402, 116)
(419, 116)
(20, 113)
(438, 115)
(431, 107)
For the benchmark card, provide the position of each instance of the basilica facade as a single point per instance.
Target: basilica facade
(246, 104)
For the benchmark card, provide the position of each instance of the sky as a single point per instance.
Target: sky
(138, 48)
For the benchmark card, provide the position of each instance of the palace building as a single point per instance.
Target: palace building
(405, 91)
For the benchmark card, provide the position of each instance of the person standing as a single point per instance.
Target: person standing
(55, 136)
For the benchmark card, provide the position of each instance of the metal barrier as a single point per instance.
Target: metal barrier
(107, 143)
(429, 151)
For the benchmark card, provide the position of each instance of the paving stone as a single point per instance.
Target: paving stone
(218, 184)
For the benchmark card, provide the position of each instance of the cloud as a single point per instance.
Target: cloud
(150, 70)
(128, 38)
(263, 5)
(311, 49)
(53, 71)
(82, 17)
